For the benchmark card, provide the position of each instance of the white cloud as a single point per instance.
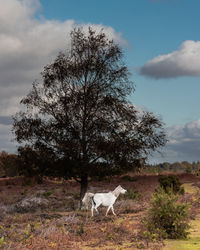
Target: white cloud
(27, 44)
(183, 62)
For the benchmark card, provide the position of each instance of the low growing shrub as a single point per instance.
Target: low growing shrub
(167, 217)
(171, 183)
(132, 195)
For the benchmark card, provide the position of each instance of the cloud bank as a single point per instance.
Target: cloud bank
(185, 140)
(183, 144)
(183, 62)
(27, 44)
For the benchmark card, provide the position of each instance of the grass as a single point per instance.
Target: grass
(190, 188)
(190, 244)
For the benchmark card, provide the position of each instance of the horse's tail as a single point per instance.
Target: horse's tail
(93, 202)
(86, 199)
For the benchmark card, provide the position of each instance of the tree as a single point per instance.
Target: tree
(8, 164)
(80, 114)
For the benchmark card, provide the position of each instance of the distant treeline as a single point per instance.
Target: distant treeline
(176, 167)
(9, 166)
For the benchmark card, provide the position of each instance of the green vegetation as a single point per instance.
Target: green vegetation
(193, 242)
(171, 183)
(132, 195)
(166, 217)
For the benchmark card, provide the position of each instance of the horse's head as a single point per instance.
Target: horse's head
(122, 190)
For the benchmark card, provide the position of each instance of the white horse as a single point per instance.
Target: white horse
(105, 199)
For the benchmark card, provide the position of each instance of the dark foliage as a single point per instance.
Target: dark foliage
(171, 183)
(34, 163)
(80, 117)
(8, 164)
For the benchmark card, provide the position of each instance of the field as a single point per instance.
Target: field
(46, 216)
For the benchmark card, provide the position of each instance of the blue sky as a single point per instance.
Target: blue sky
(161, 41)
(150, 28)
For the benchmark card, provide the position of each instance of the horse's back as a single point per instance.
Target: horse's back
(106, 199)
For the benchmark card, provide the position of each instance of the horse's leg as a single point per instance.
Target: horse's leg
(96, 206)
(96, 209)
(92, 210)
(113, 210)
(108, 210)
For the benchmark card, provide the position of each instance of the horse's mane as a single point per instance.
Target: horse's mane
(116, 191)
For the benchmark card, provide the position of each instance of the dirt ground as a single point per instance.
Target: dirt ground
(46, 216)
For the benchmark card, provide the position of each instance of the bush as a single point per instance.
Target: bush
(8, 164)
(132, 195)
(167, 217)
(197, 172)
(171, 183)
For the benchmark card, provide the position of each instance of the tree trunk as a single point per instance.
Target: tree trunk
(84, 187)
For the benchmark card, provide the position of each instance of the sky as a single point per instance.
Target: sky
(161, 44)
